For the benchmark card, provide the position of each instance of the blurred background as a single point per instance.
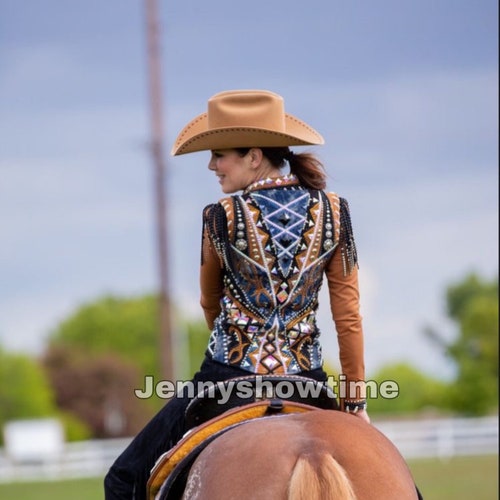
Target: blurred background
(405, 94)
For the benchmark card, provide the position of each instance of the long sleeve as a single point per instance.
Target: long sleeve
(344, 304)
(211, 285)
(343, 286)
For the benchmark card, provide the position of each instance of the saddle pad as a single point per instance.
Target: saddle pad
(166, 462)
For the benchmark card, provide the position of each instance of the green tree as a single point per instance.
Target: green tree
(473, 305)
(124, 326)
(99, 355)
(25, 391)
(416, 392)
(129, 327)
(196, 334)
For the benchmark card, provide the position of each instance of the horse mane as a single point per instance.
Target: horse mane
(318, 476)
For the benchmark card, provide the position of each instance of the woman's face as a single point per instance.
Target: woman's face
(235, 172)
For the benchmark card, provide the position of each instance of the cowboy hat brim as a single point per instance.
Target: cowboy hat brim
(197, 136)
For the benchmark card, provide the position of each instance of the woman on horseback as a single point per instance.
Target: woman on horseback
(266, 248)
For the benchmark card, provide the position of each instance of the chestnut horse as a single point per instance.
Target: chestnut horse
(317, 455)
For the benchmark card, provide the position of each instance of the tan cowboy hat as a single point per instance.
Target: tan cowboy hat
(244, 118)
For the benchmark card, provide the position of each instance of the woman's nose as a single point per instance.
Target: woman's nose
(211, 164)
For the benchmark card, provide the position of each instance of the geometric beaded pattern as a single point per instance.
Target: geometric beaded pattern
(284, 216)
(277, 240)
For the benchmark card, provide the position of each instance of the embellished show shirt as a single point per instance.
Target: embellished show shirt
(264, 255)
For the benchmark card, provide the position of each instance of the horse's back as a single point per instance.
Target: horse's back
(258, 459)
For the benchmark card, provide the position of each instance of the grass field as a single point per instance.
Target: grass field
(458, 479)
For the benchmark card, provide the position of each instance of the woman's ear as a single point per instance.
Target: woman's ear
(255, 155)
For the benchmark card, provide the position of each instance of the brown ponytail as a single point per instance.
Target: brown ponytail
(306, 166)
(309, 170)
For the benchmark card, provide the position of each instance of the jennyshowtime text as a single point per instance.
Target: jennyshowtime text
(262, 388)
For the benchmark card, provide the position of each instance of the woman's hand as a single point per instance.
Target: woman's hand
(363, 414)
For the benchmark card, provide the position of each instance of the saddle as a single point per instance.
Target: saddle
(239, 391)
(207, 419)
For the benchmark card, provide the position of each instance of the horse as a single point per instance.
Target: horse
(315, 455)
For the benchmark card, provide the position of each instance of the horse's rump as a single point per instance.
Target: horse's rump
(325, 453)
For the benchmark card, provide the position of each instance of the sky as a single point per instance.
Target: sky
(404, 92)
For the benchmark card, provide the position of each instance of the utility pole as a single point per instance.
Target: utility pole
(159, 169)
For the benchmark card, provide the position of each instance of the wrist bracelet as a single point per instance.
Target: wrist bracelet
(355, 407)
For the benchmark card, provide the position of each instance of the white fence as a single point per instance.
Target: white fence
(443, 437)
(415, 439)
(80, 459)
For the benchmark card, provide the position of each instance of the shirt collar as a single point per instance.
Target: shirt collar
(273, 182)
